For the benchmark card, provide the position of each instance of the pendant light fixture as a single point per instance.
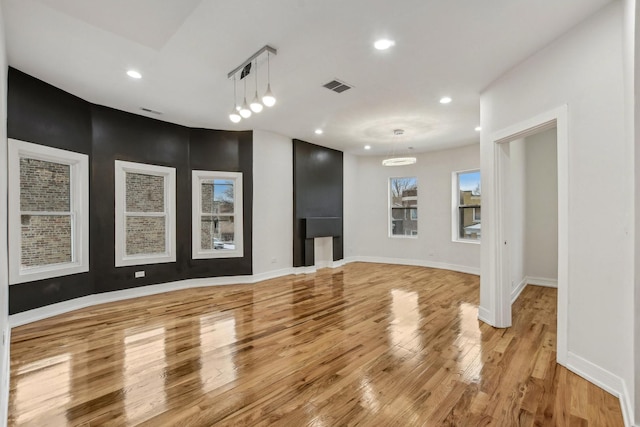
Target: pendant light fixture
(394, 160)
(234, 116)
(245, 110)
(256, 106)
(269, 99)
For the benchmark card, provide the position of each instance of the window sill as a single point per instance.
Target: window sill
(48, 272)
(404, 237)
(471, 241)
(215, 255)
(144, 260)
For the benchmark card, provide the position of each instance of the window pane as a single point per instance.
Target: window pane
(469, 195)
(469, 227)
(404, 206)
(44, 186)
(469, 186)
(217, 232)
(145, 193)
(145, 235)
(46, 239)
(217, 196)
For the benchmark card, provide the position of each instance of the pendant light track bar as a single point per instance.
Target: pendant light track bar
(265, 48)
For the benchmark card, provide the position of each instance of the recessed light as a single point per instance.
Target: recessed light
(318, 131)
(134, 74)
(383, 44)
(478, 129)
(445, 100)
(367, 147)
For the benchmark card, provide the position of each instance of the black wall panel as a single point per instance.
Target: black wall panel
(317, 192)
(42, 114)
(232, 152)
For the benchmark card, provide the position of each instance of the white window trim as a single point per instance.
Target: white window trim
(390, 214)
(197, 252)
(169, 174)
(79, 211)
(455, 196)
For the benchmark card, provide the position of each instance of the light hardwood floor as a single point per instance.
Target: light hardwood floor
(366, 344)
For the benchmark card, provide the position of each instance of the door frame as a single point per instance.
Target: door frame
(501, 292)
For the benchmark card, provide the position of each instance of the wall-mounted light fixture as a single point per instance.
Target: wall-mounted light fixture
(244, 69)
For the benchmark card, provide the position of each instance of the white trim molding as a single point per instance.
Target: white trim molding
(5, 365)
(197, 179)
(78, 211)
(45, 312)
(496, 278)
(536, 281)
(605, 380)
(515, 293)
(169, 213)
(418, 263)
(542, 281)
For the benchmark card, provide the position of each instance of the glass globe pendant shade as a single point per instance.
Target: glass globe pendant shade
(245, 112)
(256, 106)
(268, 99)
(234, 116)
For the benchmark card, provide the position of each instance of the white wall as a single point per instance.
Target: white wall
(632, 118)
(350, 205)
(4, 264)
(518, 214)
(367, 213)
(584, 70)
(541, 206)
(272, 202)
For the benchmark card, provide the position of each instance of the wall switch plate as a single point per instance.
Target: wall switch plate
(139, 274)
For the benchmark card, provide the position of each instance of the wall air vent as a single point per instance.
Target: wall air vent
(149, 110)
(337, 86)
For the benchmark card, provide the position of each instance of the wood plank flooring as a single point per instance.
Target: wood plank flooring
(366, 344)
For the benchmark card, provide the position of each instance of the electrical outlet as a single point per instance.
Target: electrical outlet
(139, 274)
(274, 260)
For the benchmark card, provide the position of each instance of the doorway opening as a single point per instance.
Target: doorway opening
(511, 251)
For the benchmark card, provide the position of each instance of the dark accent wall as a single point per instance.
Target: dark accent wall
(43, 114)
(317, 193)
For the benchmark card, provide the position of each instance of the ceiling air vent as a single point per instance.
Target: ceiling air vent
(337, 86)
(149, 110)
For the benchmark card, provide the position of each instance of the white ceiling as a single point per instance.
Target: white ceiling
(185, 48)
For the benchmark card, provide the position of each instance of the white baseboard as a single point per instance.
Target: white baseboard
(542, 281)
(485, 315)
(83, 302)
(272, 274)
(515, 293)
(304, 270)
(605, 380)
(419, 263)
(5, 365)
(536, 281)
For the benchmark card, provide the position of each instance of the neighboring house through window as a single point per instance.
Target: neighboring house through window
(466, 215)
(217, 221)
(403, 207)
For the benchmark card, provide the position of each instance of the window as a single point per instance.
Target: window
(466, 206)
(403, 207)
(48, 212)
(217, 214)
(145, 214)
